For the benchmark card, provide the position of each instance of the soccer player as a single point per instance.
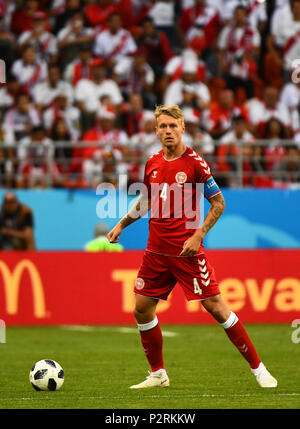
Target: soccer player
(174, 251)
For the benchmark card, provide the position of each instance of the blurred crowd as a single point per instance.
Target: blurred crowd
(83, 78)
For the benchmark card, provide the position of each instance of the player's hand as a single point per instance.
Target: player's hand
(191, 246)
(114, 234)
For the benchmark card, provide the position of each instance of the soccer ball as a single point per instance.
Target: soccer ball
(46, 374)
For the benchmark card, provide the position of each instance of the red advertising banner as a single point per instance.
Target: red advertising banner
(58, 288)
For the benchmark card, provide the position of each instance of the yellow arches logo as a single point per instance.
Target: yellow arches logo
(12, 281)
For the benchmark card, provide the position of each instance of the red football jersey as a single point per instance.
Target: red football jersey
(175, 189)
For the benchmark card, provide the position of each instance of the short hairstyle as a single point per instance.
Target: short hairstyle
(21, 95)
(147, 19)
(241, 7)
(37, 129)
(114, 13)
(172, 110)
(28, 47)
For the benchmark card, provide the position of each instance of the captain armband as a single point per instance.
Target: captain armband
(211, 188)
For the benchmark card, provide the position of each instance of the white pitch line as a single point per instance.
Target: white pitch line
(204, 395)
(169, 334)
(77, 328)
(125, 330)
(134, 331)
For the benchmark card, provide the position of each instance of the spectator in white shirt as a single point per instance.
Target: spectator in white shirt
(105, 166)
(290, 98)
(92, 169)
(29, 148)
(80, 68)
(189, 97)
(237, 132)
(145, 142)
(174, 67)
(28, 70)
(282, 13)
(109, 138)
(163, 15)
(284, 42)
(89, 91)
(42, 41)
(239, 46)
(202, 18)
(194, 137)
(35, 153)
(227, 153)
(19, 120)
(61, 109)
(44, 93)
(186, 4)
(174, 92)
(270, 107)
(257, 12)
(134, 74)
(115, 42)
(105, 130)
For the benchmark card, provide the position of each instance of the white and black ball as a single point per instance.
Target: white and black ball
(46, 374)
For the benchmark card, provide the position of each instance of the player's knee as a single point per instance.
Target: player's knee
(214, 309)
(139, 310)
(144, 308)
(218, 310)
(143, 314)
(220, 314)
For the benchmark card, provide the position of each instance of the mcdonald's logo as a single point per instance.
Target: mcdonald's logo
(12, 280)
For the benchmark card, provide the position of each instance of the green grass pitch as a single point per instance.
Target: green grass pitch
(100, 364)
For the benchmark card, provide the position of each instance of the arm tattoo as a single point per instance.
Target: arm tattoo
(215, 211)
(141, 207)
(126, 221)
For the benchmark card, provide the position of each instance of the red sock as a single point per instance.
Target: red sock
(239, 337)
(152, 342)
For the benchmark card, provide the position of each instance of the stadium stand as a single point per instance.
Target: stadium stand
(82, 78)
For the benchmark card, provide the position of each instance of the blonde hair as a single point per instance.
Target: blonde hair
(172, 110)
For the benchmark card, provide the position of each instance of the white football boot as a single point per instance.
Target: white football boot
(154, 379)
(263, 377)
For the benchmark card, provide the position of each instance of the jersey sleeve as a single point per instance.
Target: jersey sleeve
(204, 175)
(202, 170)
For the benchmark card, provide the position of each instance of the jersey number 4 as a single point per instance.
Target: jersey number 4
(163, 194)
(197, 288)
